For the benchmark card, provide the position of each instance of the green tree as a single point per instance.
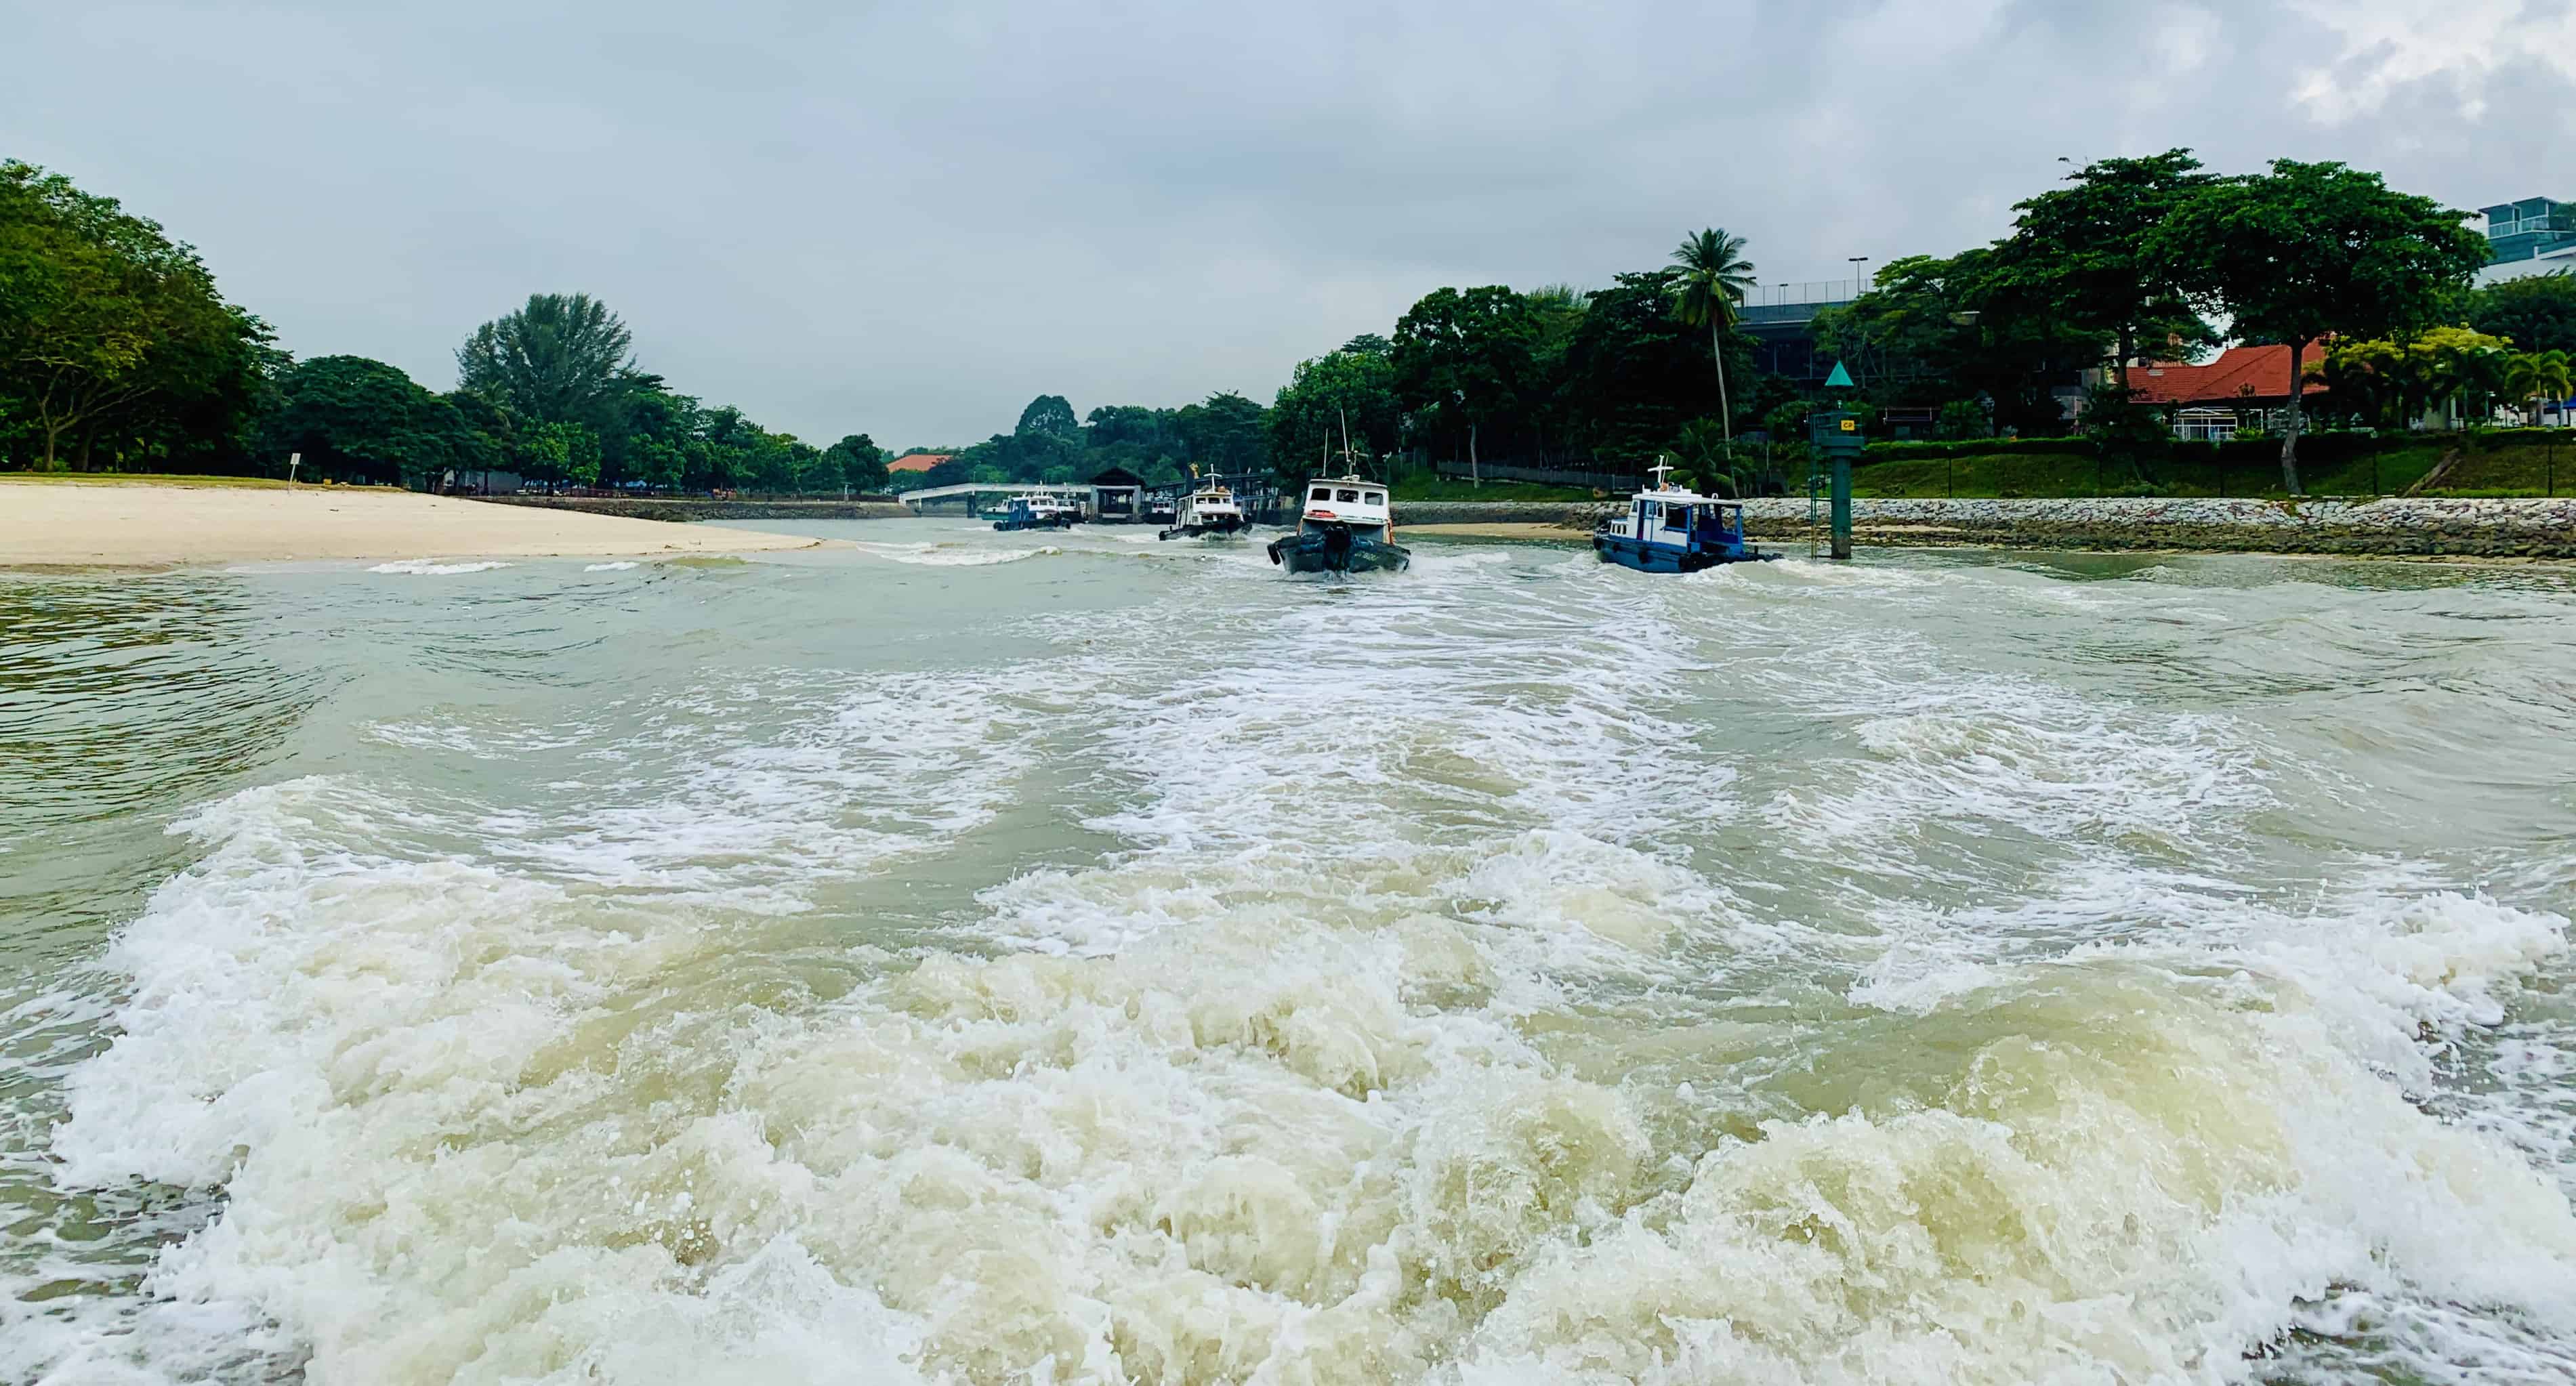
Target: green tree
(1635, 373)
(2536, 313)
(1932, 330)
(1224, 433)
(1049, 416)
(2392, 381)
(1343, 395)
(560, 359)
(580, 453)
(2077, 256)
(1466, 364)
(351, 417)
(1713, 277)
(113, 334)
(1704, 455)
(2309, 250)
(2537, 379)
(860, 462)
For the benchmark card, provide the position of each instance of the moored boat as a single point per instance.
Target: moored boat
(1344, 526)
(1672, 530)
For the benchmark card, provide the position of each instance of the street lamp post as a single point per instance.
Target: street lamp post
(1856, 261)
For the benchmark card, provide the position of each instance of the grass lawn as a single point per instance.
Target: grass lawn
(147, 479)
(1422, 486)
(2514, 468)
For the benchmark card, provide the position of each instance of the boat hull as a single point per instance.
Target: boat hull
(1320, 551)
(1663, 558)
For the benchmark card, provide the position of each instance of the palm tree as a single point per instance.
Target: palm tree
(1714, 276)
(2538, 375)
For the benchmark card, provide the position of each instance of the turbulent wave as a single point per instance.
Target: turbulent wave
(1515, 972)
(430, 567)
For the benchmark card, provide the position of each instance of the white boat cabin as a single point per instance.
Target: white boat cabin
(1209, 505)
(1670, 514)
(1347, 500)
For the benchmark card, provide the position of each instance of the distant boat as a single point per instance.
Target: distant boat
(1345, 526)
(1210, 509)
(1161, 511)
(1033, 511)
(1672, 530)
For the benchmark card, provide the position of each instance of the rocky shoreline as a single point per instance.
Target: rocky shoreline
(2413, 527)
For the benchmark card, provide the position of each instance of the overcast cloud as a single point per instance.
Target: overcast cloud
(908, 220)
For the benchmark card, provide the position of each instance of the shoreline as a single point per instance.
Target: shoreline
(2389, 527)
(146, 528)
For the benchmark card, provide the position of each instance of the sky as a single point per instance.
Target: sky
(908, 220)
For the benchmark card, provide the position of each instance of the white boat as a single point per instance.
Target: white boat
(1346, 525)
(1669, 529)
(1207, 509)
(1035, 510)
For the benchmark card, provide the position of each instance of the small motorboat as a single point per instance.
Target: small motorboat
(1672, 530)
(1161, 511)
(1033, 511)
(1345, 526)
(1208, 509)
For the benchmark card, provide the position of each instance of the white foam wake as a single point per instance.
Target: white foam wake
(430, 567)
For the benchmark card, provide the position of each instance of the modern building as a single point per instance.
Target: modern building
(1778, 322)
(2534, 236)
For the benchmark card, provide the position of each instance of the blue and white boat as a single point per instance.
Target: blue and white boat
(1672, 530)
(1033, 511)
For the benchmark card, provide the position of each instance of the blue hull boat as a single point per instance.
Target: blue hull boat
(1670, 530)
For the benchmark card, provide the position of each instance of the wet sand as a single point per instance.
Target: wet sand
(54, 524)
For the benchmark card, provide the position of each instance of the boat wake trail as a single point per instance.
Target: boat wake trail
(1508, 971)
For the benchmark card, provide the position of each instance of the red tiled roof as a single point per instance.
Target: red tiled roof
(918, 462)
(2239, 373)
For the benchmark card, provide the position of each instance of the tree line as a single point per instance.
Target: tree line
(117, 352)
(2134, 258)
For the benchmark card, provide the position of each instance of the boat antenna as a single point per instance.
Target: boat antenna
(1347, 459)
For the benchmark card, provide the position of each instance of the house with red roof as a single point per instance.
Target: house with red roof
(2241, 388)
(918, 462)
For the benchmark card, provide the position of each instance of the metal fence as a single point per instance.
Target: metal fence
(1552, 476)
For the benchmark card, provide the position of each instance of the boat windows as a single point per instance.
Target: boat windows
(1347, 495)
(1323, 493)
(1676, 517)
(1376, 498)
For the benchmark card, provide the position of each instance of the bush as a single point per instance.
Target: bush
(1976, 447)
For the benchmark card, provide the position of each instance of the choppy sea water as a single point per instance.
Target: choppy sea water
(972, 957)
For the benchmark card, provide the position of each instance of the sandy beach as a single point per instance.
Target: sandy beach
(70, 524)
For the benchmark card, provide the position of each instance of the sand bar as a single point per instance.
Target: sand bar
(67, 524)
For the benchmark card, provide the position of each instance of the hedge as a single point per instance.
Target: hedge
(1976, 447)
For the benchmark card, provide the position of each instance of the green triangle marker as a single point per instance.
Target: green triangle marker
(1840, 379)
